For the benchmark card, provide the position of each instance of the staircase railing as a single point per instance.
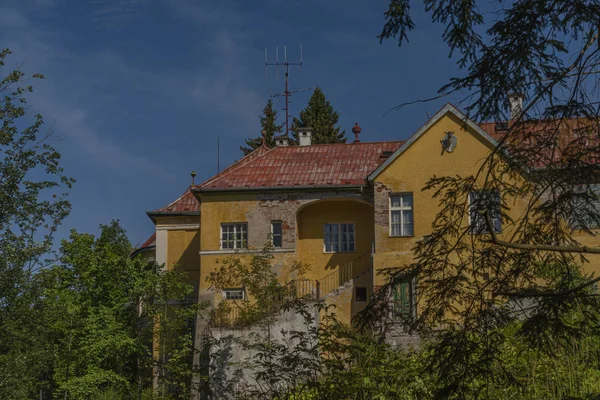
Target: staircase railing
(232, 316)
(344, 274)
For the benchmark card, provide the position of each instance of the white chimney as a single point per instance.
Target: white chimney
(305, 136)
(282, 141)
(516, 105)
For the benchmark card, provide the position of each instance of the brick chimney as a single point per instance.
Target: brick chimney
(305, 136)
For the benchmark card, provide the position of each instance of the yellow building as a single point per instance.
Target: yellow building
(347, 210)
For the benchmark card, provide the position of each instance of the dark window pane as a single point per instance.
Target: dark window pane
(276, 228)
(361, 294)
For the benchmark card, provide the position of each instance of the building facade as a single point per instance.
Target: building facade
(348, 211)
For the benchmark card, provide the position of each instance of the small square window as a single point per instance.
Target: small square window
(234, 236)
(361, 294)
(233, 294)
(276, 234)
(339, 238)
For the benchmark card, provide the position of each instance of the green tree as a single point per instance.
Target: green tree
(105, 309)
(320, 115)
(32, 205)
(475, 283)
(268, 123)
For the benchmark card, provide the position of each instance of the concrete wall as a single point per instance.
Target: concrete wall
(229, 351)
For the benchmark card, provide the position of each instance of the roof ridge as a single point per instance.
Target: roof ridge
(238, 164)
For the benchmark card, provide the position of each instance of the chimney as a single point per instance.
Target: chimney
(282, 141)
(305, 136)
(516, 105)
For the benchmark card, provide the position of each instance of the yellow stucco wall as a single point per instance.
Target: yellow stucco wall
(311, 220)
(411, 171)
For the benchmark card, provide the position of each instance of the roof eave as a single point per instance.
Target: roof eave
(142, 250)
(414, 137)
(153, 214)
(279, 188)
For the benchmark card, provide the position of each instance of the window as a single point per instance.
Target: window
(586, 210)
(234, 236)
(361, 294)
(401, 214)
(339, 238)
(276, 234)
(490, 201)
(403, 299)
(233, 294)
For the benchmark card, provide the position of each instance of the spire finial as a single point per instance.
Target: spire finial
(193, 174)
(356, 129)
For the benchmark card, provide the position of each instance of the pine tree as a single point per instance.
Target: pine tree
(268, 123)
(320, 115)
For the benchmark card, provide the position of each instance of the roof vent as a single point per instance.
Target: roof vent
(282, 141)
(386, 154)
(501, 126)
(305, 135)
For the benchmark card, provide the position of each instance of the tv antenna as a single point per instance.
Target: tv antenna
(286, 65)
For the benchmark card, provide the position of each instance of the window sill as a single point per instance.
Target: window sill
(401, 236)
(339, 252)
(243, 251)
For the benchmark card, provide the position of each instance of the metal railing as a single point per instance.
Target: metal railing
(344, 274)
(234, 316)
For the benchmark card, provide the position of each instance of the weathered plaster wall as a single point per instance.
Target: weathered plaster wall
(259, 209)
(230, 348)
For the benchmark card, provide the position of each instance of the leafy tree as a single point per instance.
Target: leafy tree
(320, 115)
(535, 274)
(104, 311)
(268, 123)
(32, 205)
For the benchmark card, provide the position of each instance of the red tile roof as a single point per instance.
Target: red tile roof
(150, 242)
(315, 165)
(547, 142)
(186, 202)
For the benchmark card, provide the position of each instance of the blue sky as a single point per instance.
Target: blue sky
(137, 91)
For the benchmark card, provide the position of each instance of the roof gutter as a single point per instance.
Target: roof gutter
(153, 214)
(277, 188)
(142, 250)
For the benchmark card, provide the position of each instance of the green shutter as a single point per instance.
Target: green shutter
(403, 298)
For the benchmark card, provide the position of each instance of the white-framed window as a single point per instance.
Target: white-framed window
(339, 238)
(489, 200)
(401, 214)
(276, 234)
(233, 294)
(234, 236)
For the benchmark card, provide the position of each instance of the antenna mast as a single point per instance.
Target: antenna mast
(285, 64)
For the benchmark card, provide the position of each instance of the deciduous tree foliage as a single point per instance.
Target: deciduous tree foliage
(320, 115)
(32, 205)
